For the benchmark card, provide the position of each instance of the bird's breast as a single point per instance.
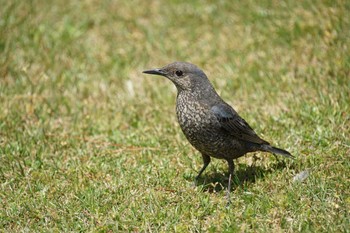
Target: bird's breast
(195, 118)
(203, 130)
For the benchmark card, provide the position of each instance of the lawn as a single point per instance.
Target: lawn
(90, 144)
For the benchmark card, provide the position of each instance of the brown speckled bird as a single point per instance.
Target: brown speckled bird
(212, 126)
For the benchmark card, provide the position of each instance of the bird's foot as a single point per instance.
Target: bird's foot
(228, 199)
(196, 181)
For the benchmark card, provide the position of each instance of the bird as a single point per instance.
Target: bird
(211, 125)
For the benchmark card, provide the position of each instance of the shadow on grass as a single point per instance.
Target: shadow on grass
(216, 182)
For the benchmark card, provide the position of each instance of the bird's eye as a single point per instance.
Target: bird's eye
(179, 73)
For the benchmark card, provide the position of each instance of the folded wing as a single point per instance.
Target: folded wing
(235, 125)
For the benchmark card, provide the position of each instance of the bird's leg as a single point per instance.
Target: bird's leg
(231, 168)
(206, 161)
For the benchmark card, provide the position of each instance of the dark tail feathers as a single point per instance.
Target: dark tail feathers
(276, 150)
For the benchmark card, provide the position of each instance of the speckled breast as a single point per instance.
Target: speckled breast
(202, 129)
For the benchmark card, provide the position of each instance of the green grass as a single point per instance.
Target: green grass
(89, 143)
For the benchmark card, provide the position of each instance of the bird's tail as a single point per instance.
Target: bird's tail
(276, 150)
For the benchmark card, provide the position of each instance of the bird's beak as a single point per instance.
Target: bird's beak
(155, 71)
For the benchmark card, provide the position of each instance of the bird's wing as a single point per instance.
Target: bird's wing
(234, 124)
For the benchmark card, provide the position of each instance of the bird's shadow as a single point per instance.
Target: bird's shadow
(244, 174)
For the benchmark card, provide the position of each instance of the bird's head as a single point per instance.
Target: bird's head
(184, 75)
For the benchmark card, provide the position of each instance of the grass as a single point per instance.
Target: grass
(89, 143)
